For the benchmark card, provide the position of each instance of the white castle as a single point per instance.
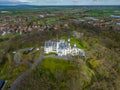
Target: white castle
(62, 48)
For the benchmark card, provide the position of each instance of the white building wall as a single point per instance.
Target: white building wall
(63, 52)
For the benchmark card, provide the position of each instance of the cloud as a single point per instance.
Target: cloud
(12, 2)
(76, 1)
(61, 2)
(28, 1)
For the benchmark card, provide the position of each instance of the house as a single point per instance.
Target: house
(62, 48)
(66, 25)
(57, 27)
(41, 16)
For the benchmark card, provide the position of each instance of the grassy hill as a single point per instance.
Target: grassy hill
(58, 74)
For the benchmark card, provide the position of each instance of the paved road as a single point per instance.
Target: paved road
(38, 61)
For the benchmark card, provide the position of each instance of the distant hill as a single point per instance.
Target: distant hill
(24, 5)
(14, 6)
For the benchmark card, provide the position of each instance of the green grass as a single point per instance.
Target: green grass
(79, 43)
(94, 63)
(51, 53)
(58, 74)
(53, 64)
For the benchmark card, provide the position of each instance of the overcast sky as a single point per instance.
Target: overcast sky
(60, 2)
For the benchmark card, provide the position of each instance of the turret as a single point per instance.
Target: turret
(69, 40)
(74, 45)
(57, 47)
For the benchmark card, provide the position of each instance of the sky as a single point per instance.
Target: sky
(60, 2)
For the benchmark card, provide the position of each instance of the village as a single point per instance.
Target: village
(8, 28)
(47, 22)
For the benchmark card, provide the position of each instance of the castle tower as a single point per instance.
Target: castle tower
(57, 47)
(69, 41)
(74, 45)
(69, 46)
